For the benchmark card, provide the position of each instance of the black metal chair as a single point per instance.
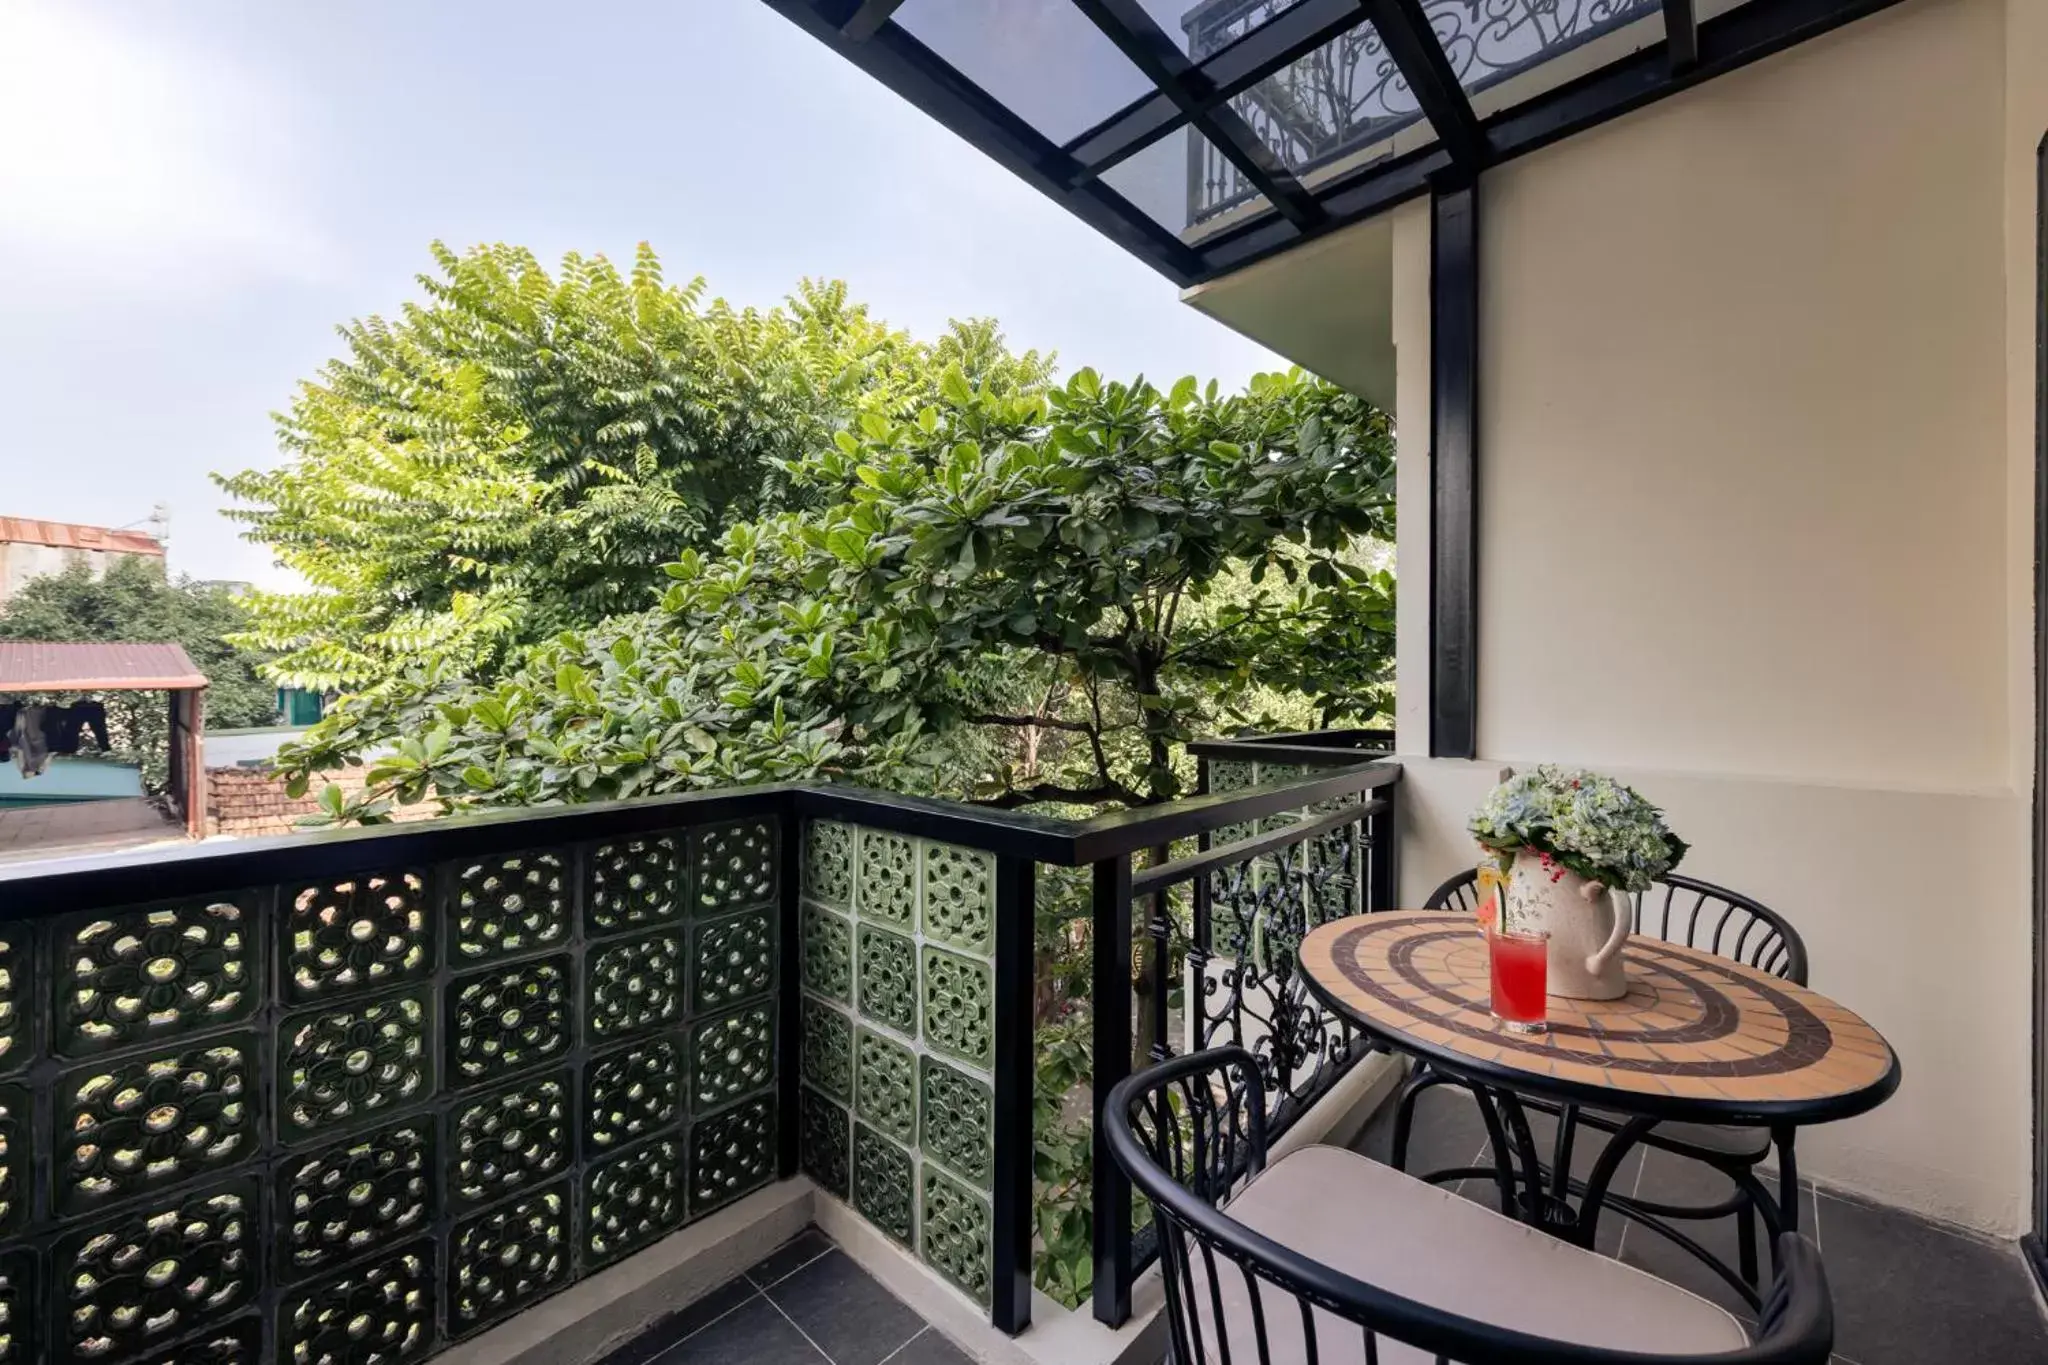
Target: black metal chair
(1699, 915)
(1329, 1257)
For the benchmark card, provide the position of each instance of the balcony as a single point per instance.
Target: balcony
(575, 1081)
(1350, 94)
(362, 1095)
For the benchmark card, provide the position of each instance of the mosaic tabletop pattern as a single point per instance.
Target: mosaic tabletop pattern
(1694, 1027)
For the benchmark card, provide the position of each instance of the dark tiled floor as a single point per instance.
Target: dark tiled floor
(1907, 1292)
(806, 1303)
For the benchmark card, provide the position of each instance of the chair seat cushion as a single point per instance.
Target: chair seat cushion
(1394, 1232)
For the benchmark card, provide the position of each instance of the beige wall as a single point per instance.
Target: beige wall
(1756, 531)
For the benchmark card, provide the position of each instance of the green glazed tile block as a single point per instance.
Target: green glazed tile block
(824, 1142)
(828, 863)
(957, 1234)
(960, 897)
(634, 984)
(888, 879)
(828, 1050)
(631, 1199)
(730, 1056)
(732, 960)
(632, 1092)
(956, 1121)
(959, 1006)
(885, 1084)
(731, 1154)
(887, 968)
(733, 866)
(635, 884)
(884, 1184)
(1230, 775)
(827, 955)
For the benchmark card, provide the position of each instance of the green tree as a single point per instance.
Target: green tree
(1067, 541)
(134, 601)
(519, 453)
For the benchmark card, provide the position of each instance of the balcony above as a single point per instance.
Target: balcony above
(1204, 138)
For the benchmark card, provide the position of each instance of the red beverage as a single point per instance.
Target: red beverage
(1520, 969)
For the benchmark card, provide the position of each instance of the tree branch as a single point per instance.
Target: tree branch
(1025, 722)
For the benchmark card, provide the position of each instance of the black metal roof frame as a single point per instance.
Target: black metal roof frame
(1190, 93)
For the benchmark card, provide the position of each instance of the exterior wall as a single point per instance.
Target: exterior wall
(20, 561)
(1756, 533)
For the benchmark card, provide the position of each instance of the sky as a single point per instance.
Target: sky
(194, 195)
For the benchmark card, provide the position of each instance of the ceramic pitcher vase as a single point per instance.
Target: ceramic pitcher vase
(1588, 925)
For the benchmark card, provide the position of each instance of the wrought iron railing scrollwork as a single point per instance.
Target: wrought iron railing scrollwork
(1219, 930)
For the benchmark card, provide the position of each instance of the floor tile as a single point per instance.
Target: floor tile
(1671, 1179)
(929, 1348)
(1587, 1145)
(793, 1255)
(665, 1332)
(756, 1334)
(1446, 1132)
(846, 1311)
(1908, 1291)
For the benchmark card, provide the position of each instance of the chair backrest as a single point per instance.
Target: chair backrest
(1190, 1132)
(1686, 910)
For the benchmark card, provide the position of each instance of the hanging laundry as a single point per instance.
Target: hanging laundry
(31, 750)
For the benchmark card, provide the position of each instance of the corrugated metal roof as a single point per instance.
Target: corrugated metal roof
(41, 666)
(67, 535)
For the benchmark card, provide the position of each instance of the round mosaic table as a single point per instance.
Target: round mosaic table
(1698, 1039)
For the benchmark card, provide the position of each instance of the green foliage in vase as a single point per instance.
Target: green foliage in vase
(1583, 822)
(520, 452)
(134, 601)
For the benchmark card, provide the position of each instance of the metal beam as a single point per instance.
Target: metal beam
(1153, 51)
(1412, 43)
(1681, 34)
(867, 21)
(1454, 473)
(1223, 74)
(920, 76)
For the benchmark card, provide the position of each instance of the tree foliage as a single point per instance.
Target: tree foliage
(994, 543)
(520, 452)
(134, 602)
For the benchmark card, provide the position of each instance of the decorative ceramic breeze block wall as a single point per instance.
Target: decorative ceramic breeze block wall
(348, 1121)
(899, 1038)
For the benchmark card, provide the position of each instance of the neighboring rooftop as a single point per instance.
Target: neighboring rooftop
(42, 666)
(69, 536)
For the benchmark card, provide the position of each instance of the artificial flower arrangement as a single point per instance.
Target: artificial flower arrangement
(1579, 821)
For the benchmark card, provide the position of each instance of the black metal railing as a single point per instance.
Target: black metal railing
(356, 1095)
(1218, 929)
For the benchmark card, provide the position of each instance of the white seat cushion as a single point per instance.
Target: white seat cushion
(1713, 1138)
(1716, 1138)
(1394, 1232)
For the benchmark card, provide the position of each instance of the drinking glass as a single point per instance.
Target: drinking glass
(1520, 967)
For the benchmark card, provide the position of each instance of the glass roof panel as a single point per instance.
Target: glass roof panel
(1344, 95)
(1043, 59)
(1181, 182)
(1493, 41)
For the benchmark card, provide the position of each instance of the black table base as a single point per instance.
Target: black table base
(1546, 1195)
